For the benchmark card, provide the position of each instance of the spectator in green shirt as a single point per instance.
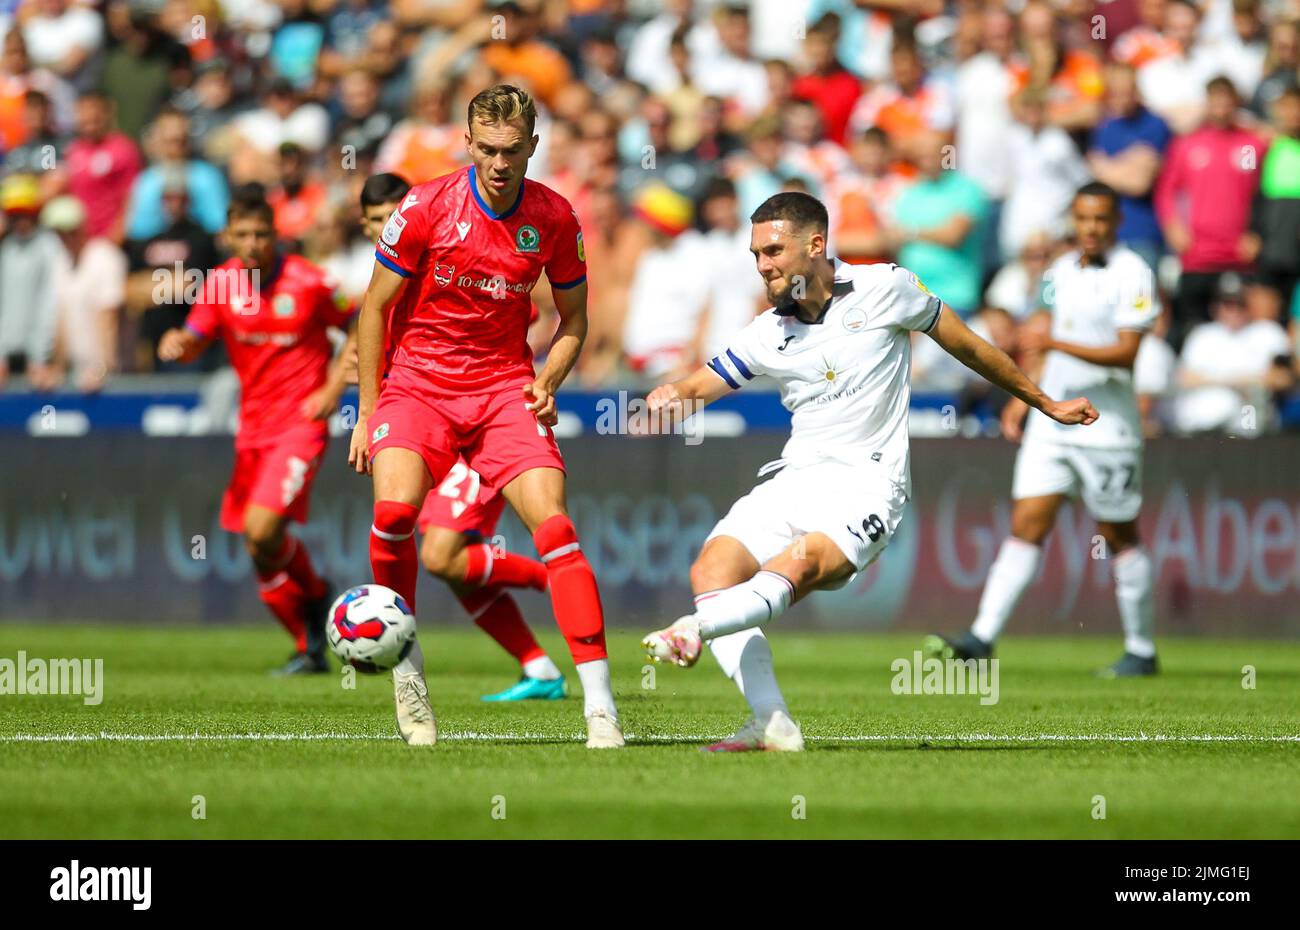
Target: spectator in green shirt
(938, 225)
(1275, 216)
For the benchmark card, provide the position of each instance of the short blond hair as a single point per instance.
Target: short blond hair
(503, 103)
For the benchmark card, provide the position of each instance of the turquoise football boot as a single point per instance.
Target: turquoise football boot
(532, 689)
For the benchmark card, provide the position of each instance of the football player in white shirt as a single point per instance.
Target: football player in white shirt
(837, 341)
(1102, 299)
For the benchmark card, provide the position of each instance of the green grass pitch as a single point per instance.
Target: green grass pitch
(1189, 754)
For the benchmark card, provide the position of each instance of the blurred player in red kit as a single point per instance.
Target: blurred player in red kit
(272, 310)
(461, 381)
(462, 512)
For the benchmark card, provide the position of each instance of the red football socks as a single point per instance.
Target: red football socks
(282, 596)
(301, 570)
(485, 566)
(393, 559)
(574, 595)
(496, 614)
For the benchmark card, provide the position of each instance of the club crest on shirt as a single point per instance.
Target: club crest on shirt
(442, 273)
(855, 318)
(527, 239)
(393, 229)
(283, 305)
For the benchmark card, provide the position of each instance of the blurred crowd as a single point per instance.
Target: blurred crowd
(946, 136)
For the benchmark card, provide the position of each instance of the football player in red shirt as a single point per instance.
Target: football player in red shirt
(461, 512)
(461, 381)
(272, 311)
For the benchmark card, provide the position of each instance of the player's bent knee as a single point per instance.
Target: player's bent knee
(1120, 537)
(262, 537)
(439, 560)
(1031, 529)
(711, 575)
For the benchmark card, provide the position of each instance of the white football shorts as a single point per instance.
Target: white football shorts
(858, 508)
(1108, 480)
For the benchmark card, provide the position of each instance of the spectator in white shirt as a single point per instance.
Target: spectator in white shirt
(731, 72)
(983, 90)
(283, 117)
(89, 290)
(1018, 286)
(1046, 169)
(1154, 372)
(1173, 85)
(62, 37)
(734, 293)
(1231, 367)
(649, 61)
(1242, 48)
(668, 291)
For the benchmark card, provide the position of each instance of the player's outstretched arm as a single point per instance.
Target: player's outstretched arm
(680, 399)
(384, 288)
(182, 345)
(995, 366)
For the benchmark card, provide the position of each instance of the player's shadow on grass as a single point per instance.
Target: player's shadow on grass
(874, 746)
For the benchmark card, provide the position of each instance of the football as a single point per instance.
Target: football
(370, 627)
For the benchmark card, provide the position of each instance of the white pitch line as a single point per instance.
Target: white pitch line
(472, 736)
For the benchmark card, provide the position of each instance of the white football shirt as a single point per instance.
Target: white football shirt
(1089, 307)
(845, 378)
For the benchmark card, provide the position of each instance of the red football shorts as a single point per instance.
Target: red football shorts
(463, 503)
(277, 477)
(492, 430)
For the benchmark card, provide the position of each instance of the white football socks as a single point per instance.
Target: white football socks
(541, 668)
(1009, 575)
(413, 664)
(1134, 582)
(746, 658)
(596, 691)
(740, 607)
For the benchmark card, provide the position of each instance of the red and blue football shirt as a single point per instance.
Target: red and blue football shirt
(275, 334)
(473, 270)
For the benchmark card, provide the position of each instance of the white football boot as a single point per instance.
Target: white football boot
(781, 734)
(415, 720)
(679, 644)
(603, 730)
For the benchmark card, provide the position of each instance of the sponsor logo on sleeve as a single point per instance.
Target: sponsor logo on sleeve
(582, 249)
(393, 228)
(911, 276)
